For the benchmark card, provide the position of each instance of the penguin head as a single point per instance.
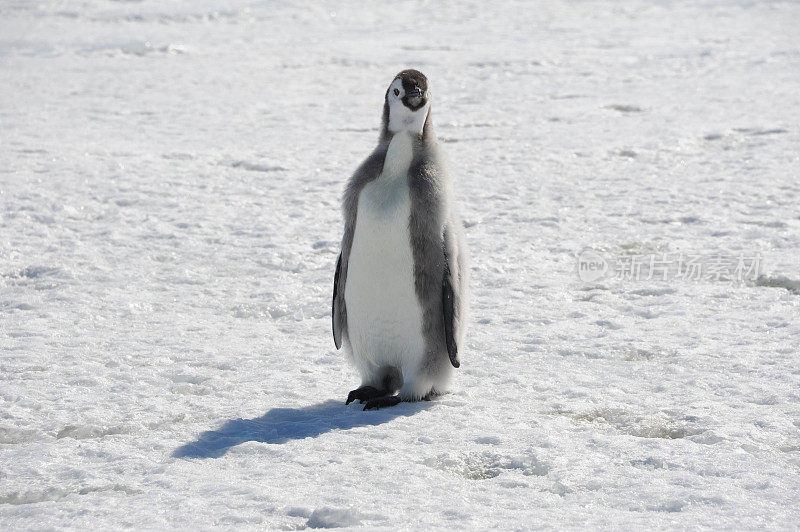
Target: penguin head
(407, 102)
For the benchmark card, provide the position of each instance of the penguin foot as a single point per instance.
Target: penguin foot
(365, 393)
(382, 402)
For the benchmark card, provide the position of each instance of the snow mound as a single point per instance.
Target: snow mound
(334, 518)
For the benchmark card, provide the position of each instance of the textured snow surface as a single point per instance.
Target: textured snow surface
(170, 175)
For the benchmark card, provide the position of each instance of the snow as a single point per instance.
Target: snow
(170, 176)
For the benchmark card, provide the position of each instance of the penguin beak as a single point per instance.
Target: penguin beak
(415, 96)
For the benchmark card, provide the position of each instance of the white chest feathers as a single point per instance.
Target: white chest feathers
(384, 317)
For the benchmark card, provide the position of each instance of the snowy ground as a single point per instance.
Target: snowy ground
(169, 184)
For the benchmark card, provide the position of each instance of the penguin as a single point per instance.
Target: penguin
(400, 287)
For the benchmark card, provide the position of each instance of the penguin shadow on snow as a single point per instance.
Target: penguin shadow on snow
(280, 425)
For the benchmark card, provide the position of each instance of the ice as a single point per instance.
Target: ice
(170, 176)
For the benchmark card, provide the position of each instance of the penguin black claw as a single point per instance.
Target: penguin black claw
(365, 393)
(382, 402)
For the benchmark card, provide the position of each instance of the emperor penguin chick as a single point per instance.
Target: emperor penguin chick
(400, 288)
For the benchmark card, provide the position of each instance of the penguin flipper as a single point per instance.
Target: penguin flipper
(336, 321)
(448, 307)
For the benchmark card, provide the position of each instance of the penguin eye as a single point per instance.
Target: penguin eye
(396, 92)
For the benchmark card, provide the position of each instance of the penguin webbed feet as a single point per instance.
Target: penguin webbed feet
(389, 379)
(373, 397)
(382, 402)
(363, 394)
